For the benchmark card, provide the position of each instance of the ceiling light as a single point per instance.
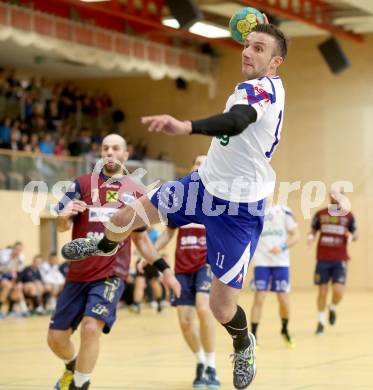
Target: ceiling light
(205, 29)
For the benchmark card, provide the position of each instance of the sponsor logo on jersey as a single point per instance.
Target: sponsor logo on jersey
(111, 196)
(224, 139)
(101, 310)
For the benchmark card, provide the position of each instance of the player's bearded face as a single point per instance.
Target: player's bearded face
(114, 157)
(257, 55)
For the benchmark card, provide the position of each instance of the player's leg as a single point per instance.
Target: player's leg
(156, 287)
(202, 286)
(5, 288)
(281, 286)
(137, 214)
(99, 316)
(90, 334)
(223, 303)
(337, 295)
(207, 336)
(284, 311)
(338, 288)
(261, 282)
(138, 293)
(231, 243)
(30, 293)
(185, 305)
(186, 315)
(321, 279)
(66, 318)
(256, 311)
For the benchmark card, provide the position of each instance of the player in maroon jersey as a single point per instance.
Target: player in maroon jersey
(336, 226)
(194, 276)
(94, 286)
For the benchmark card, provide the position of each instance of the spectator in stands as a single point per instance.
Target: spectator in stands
(33, 288)
(60, 148)
(5, 131)
(46, 145)
(64, 268)
(53, 280)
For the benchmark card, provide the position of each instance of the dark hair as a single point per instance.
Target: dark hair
(17, 243)
(276, 33)
(52, 254)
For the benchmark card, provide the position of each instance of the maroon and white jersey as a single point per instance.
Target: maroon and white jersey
(334, 231)
(103, 197)
(191, 248)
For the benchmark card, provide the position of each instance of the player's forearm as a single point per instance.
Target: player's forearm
(230, 123)
(293, 238)
(164, 239)
(145, 247)
(63, 224)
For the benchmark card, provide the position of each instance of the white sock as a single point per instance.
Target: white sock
(332, 307)
(210, 359)
(70, 360)
(80, 378)
(200, 355)
(23, 306)
(321, 317)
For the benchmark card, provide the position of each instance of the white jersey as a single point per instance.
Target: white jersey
(51, 274)
(277, 222)
(9, 263)
(238, 168)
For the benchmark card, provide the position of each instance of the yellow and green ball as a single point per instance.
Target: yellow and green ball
(243, 21)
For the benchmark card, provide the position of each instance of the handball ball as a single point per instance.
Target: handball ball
(243, 21)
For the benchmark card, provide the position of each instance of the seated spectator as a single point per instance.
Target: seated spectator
(5, 131)
(46, 145)
(64, 268)
(11, 263)
(53, 280)
(60, 148)
(33, 288)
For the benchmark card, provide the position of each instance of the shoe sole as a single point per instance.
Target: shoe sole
(201, 386)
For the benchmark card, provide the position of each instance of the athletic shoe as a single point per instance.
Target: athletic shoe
(332, 317)
(82, 248)
(211, 378)
(290, 343)
(135, 308)
(199, 381)
(65, 381)
(84, 387)
(319, 329)
(244, 369)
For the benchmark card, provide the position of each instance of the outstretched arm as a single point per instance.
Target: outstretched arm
(230, 123)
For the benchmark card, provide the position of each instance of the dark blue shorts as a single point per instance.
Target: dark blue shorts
(274, 278)
(333, 270)
(232, 229)
(97, 299)
(8, 276)
(191, 284)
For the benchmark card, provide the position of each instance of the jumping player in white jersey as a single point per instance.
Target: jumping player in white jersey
(271, 265)
(226, 194)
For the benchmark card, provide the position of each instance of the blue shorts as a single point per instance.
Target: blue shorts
(97, 299)
(333, 270)
(191, 284)
(232, 229)
(272, 278)
(8, 276)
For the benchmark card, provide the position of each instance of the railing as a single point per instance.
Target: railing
(18, 168)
